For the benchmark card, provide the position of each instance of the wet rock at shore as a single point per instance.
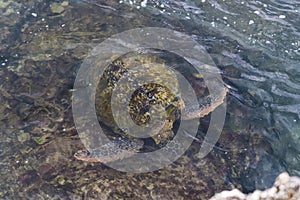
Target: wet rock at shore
(284, 188)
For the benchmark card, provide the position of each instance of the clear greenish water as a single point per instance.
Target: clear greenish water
(255, 44)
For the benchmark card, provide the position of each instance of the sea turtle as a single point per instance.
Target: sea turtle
(128, 71)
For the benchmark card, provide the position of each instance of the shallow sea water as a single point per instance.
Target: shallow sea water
(255, 44)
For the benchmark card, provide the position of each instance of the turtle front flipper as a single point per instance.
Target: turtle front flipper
(201, 109)
(117, 149)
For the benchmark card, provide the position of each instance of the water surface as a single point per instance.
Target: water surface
(254, 43)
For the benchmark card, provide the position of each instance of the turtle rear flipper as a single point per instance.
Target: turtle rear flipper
(117, 149)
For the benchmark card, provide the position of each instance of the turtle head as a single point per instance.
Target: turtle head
(84, 155)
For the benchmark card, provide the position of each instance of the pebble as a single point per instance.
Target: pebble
(57, 8)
